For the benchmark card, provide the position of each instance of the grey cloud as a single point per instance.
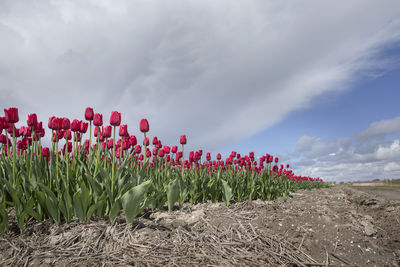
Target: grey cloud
(219, 71)
(381, 128)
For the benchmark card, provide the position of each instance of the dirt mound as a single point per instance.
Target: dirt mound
(337, 226)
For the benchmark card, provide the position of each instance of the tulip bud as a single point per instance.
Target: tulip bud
(65, 124)
(159, 144)
(174, 149)
(138, 149)
(83, 127)
(146, 141)
(68, 135)
(75, 125)
(78, 137)
(144, 126)
(133, 140)
(123, 130)
(218, 156)
(32, 120)
(97, 131)
(155, 140)
(98, 119)
(115, 119)
(107, 131)
(276, 159)
(183, 139)
(89, 114)
(167, 150)
(125, 144)
(11, 115)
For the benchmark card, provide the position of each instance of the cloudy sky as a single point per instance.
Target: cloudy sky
(315, 83)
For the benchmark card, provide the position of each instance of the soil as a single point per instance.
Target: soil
(389, 193)
(338, 226)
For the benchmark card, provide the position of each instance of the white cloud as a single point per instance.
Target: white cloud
(347, 162)
(219, 71)
(381, 128)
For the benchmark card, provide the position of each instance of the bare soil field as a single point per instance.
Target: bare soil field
(338, 226)
(389, 193)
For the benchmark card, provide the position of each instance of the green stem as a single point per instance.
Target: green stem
(145, 148)
(14, 154)
(57, 155)
(8, 145)
(31, 150)
(90, 139)
(105, 155)
(183, 162)
(113, 165)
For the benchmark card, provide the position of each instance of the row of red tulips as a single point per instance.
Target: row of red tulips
(30, 136)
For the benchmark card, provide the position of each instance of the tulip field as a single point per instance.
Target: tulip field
(92, 169)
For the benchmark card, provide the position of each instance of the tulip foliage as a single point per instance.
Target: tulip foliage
(77, 178)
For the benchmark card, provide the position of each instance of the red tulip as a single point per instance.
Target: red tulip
(86, 144)
(65, 124)
(208, 156)
(138, 149)
(183, 139)
(146, 141)
(155, 140)
(50, 123)
(144, 126)
(27, 131)
(167, 150)
(125, 144)
(60, 134)
(110, 143)
(45, 152)
(115, 119)
(83, 127)
(97, 132)
(69, 147)
(68, 135)
(55, 124)
(218, 156)
(75, 125)
(276, 159)
(159, 144)
(89, 114)
(11, 115)
(123, 130)
(133, 140)
(107, 131)
(161, 153)
(174, 149)
(78, 137)
(98, 119)
(32, 120)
